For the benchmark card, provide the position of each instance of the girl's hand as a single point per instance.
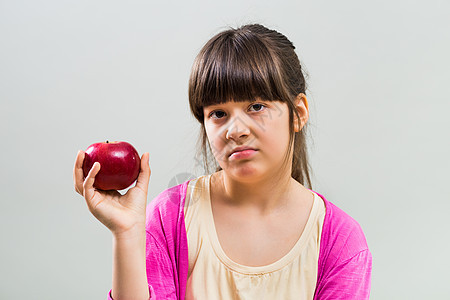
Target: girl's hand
(122, 214)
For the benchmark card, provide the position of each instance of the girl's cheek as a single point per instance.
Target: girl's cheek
(215, 142)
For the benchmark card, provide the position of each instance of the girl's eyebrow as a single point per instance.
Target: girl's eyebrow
(221, 104)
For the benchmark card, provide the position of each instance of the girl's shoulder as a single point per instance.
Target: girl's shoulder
(342, 236)
(345, 261)
(170, 198)
(166, 209)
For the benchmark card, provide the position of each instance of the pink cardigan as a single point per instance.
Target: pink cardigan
(345, 262)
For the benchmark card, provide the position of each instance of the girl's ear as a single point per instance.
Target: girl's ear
(301, 105)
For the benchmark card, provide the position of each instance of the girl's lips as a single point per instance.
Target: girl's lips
(241, 148)
(243, 154)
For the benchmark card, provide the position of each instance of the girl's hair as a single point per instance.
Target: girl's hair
(242, 64)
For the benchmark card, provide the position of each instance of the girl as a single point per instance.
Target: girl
(251, 229)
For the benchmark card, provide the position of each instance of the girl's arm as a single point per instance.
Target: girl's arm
(129, 268)
(125, 216)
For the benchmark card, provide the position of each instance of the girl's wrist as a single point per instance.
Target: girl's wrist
(137, 232)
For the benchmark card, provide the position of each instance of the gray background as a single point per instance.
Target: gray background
(77, 72)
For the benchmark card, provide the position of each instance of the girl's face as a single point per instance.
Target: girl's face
(261, 125)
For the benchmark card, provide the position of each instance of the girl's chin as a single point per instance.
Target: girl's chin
(244, 172)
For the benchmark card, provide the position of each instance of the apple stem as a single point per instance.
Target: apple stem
(107, 142)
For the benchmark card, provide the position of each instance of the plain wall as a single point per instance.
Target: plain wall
(77, 72)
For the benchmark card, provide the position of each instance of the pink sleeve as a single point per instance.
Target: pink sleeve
(161, 270)
(348, 280)
(167, 249)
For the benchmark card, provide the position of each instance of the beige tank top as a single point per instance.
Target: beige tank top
(213, 275)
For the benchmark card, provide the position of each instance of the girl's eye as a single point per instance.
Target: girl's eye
(221, 112)
(258, 104)
(215, 112)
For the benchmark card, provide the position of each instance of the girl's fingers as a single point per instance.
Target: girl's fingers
(78, 176)
(88, 185)
(144, 174)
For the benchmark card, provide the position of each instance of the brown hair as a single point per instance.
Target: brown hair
(242, 64)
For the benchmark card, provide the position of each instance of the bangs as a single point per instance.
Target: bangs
(234, 67)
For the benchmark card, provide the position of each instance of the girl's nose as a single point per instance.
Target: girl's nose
(237, 129)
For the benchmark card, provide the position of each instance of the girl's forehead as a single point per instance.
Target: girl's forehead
(230, 102)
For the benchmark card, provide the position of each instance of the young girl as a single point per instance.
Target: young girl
(251, 229)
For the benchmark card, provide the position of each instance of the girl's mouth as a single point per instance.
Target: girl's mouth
(242, 154)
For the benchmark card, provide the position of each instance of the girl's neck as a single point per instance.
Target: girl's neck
(262, 197)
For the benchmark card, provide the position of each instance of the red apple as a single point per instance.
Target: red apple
(119, 164)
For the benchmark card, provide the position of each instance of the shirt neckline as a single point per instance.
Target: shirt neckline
(252, 270)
